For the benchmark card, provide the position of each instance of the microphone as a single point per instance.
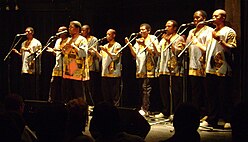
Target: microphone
(101, 39)
(62, 32)
(21, 34)
(188, 24)
(207, 21)
(162, 30)
(136, 34)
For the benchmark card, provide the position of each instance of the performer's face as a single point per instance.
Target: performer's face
(72, 29)
(144, 32)
(219, 16)
(170, 27)
(84, 31)
(29, 33)
(110, 35)
(198, 17)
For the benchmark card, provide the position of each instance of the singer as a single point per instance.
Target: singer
(93, 86)
(198, 42)
(56, 80)
(219, 71)
(170, 69)
(146, 64)
(75, 66)
(31, 67)
(111, 69)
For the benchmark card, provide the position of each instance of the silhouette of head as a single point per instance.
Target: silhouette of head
(186, 118)
(106, 118)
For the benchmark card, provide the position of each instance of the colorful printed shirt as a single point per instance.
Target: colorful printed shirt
(169, 62)
(29, 51)
(218, 61)
(74, 63)
(146, 63)
(92, 59)
(196, 54)
(111, 67)
(58, 67)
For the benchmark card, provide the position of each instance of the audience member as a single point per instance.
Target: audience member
(105, 125)
(14, 107)
(77, 121)
(186, 122)
(239, 122)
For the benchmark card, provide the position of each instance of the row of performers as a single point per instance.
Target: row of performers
(78, 54)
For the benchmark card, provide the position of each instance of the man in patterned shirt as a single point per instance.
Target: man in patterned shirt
(93, 86)
(146, 63)
(75, 67)
(196, 40)
(111, 69)
(31, 66)
(219, 71)
(56, 80)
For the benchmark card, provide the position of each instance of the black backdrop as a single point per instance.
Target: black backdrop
(123, 15)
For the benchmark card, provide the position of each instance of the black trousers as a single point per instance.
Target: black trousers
(197, 93)
(171, 93)
(146, 86)
(72, 89)
(111, 90)
(93, 89)
(30, 86)
(219, 92)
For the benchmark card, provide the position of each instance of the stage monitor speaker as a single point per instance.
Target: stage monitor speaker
(46, 119)
(133, 122)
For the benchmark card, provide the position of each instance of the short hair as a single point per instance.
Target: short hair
(113, 31)
(204, 14)
(77, 113)
(31, 29)
(174, 23)
(86, 26)
(63, 28)
(148, 27)
(77, 24)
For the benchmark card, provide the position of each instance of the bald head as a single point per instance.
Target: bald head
(111, 33)
(220, 12)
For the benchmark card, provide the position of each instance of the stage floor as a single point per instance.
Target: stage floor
(161, 130)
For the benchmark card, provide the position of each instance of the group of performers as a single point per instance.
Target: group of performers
(82, 63)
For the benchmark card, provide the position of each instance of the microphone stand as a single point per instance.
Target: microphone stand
(95, 43)
(126, 44)
(179, 34)
(13, 45)
(185, 65)
(151, 42)
(51, 40)
(186, 47)
(185, 75)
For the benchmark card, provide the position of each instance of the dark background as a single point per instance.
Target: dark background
(125, 16)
